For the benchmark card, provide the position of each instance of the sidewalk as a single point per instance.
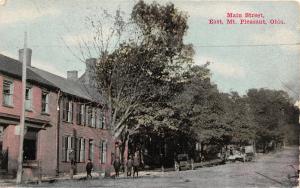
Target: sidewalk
(79, 176)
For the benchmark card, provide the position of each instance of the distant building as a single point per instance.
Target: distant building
(64, 120)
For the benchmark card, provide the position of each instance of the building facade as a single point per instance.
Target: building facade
(40, 119)
(65, 121)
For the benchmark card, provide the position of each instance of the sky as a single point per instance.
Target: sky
(241, 56)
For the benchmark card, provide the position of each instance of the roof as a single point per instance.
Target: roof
(69, 86)
(35, 75)
(13, 68)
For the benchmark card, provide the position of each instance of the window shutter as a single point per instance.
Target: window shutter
(63, 149)
(82, 114)
(78, 114)
(65, 115)
(72, 143)
(47, 103)
(77, 150)
(83, 154)
(86, 115)
(104, 151)
(72, 112)
(100, 151)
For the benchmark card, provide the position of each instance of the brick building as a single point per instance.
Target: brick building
(64, 120)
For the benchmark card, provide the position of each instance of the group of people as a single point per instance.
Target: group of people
(132, 165)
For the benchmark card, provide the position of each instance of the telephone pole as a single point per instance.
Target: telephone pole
(22, 118)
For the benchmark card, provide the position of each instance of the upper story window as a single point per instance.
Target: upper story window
(93, 117)
(100, 121)
(45, 102)
(80, 114)
(89, 114)
(67, 110)
(28, 98)
(8, 90)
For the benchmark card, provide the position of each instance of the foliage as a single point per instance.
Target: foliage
(137, 76)
(273, 112)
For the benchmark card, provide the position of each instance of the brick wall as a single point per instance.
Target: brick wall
(46, 139)
(96, 134)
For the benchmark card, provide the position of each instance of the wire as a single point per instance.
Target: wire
(249, 45)
(205, 46)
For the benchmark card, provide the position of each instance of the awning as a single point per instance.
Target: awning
(10, 119)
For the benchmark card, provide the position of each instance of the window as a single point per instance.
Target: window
(70, 112)
(78, 114)
(89, 114)
(86, 115)
(30, 145)
(45, 102)
(100, 122)
(28, 98)
(68, 148)
(99, 119)
(93, 117)
(8, 92)
(80, 151)
(103, 150)
(91, 150)
(82, 114)
(67, 110)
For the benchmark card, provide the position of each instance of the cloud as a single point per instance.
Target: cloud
(9, 16)
(228, 70)
(223, 67)
(47, 67)
(76, 39)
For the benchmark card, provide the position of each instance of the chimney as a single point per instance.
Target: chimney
(90, 70)
(90, 63)
(72, 75)
(28, 58)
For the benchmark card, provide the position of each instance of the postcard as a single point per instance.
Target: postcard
(178, 93)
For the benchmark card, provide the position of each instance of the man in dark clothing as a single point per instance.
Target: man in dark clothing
(136, 164)
(117, 165)
(73, 168)
(129, 166)
(89, 167)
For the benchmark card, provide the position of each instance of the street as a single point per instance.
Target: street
(270, 170)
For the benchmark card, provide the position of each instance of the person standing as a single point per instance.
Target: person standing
(129, 165)
(136, 164)
(73, 168)
(89, 167)
(117, 165)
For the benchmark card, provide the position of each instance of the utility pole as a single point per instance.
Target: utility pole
(22, 118)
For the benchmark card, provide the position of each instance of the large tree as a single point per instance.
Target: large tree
(273, 113)
(139, 74)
